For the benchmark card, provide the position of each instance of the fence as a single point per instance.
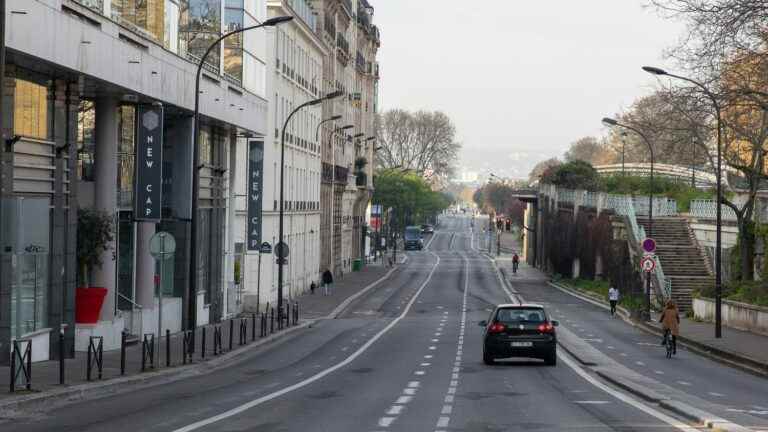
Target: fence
(706, 209)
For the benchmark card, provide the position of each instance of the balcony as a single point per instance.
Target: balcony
(360, 62)
(330, 26)
(348, 7)
(342, 46)
(341, 174)
(96, 5)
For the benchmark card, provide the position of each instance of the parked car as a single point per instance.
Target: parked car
(519, 330)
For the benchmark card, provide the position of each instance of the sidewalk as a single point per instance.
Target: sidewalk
(738, 348)
(45, 375)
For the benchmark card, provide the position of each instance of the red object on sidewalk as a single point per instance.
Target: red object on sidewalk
(88, 303)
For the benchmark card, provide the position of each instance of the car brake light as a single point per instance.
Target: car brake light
(546, 328)
(496, 328)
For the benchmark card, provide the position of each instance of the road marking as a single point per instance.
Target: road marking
(715, 394)
(455, 376)
(447, 409)
(448, 399)
(386, 421)
(658, 372)
(433, 348)
(395, 410)
(428, 356)
(322, 374)
(639, 363)
(454, 383)
(403, 400)
(419, 373)
(435, 340)
(685, 383)
(414, 384)
(591, 402)
(426, 364)
(443, 422)
(409, 391)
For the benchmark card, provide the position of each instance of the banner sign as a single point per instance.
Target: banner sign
(148, 192)
(255, 187)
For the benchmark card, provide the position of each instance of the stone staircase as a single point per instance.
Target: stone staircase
(681, 257)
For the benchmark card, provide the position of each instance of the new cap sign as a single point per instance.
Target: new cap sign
(148, 193)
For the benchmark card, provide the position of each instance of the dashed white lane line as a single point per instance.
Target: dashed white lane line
(403, 400)
(433, 347)
(414, 383)
(639, 363)
(443, 422)
(428, 356)
(420, 372)
(447, 409)
(386, 421)
(685, 383)
(395, 410)
(425, 364)
(321, 374)
(715, 394)
(658, 372)
(409, 391)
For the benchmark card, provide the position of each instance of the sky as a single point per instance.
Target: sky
(521, 79)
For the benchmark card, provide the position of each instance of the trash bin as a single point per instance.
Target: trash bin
(357, 265)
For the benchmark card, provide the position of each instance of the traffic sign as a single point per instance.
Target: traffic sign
(281, 261)
(266, 248)
(162, 246)
(648, 263)
(649, 245)
(282, 250)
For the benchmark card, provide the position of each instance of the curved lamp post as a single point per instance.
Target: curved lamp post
(192, 306)
(330, 119)
(612, 122)
(281, 260)
(718, 210)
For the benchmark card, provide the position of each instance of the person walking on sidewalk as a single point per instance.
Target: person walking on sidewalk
(515, 263)
(613, 298)
(670, 322)
(327, 282)
(312, 287)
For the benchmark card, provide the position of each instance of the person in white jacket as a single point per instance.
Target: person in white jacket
(613, 298)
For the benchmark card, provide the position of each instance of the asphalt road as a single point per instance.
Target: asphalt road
(407, 357)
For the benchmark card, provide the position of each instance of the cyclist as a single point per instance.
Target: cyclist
(670, 322)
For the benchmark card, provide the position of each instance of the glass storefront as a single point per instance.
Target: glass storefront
(147, 15)
(27, 230)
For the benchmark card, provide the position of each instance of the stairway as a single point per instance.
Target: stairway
(681, 258)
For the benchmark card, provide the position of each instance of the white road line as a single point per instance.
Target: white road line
(322, 374)
(443, 422)
(685, 383)
(433, 348)
(455, 376)
(448, 399)
(395, 410)
(403, 400)
(409, 391)
(419, 373)
(715, 394)
(658, 372)
(414, 384)
(591, 402)
(447, 409)
(425, 364)
(386, 421)
(428, 356)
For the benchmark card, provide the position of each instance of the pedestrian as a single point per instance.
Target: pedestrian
(327, 282)
(613, 298)
(312, 287)
(515, 263)
(670, 322)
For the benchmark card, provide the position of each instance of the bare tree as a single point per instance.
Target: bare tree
(589, 149)
(542, 167)
(726, 50)
(422, 141)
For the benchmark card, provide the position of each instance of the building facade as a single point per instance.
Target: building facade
(346, 28)
(76, 73)
(294, 70)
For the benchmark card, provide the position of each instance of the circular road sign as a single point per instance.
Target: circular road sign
(649, 245)
(647, 263)
(162, 246)
(281, 250)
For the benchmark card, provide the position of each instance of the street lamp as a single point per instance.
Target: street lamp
(192, 311)
(612, 122)
(281, 259)
(718, 210)
(330, 119)
(623, 148)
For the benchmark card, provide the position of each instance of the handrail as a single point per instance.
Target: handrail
(138, 306)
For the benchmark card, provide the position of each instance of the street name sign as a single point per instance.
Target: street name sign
(148, 196)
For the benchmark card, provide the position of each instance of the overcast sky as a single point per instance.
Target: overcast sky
(520, 79)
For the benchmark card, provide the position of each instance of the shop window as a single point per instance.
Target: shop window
(30, 110)
(86, 141)
(171, 31)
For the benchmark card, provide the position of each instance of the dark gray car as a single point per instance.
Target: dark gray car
(519, 330)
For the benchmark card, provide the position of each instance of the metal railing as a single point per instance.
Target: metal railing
(706, 209)
(135, 309)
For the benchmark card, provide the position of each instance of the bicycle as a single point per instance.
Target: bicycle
(669, 343)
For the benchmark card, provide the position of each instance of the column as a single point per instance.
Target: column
(105, 194)
(145, 266)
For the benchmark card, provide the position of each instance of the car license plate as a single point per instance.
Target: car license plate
(522, 344)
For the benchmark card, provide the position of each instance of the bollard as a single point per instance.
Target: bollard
(243, 331)
(61, 356)
(202, 345)
(287, 314)
(95, 355)
(231, 332)
(148, 351)
(253, 327)
(123, 343)
(185, 348)
(263, 318)
(272, 320)
(167, 348)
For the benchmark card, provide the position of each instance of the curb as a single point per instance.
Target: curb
(632, 387)
(726, 357)
(121, 385)
(696, 415)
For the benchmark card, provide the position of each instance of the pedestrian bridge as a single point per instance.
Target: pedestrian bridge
(703, 179)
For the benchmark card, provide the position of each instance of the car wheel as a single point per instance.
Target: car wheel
(551, 359)
(488, 360)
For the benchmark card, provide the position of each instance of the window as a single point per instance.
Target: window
(200, 26)
(126, 155)
(516, 315)
(233, 45)
(171, 32)
(148, 15)
(30, 110)
(86, 142)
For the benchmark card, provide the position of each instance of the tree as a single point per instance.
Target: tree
(409, 195)
(539, 169)
(726, 51)
(573, 175)
(590, 150)
(421, 141)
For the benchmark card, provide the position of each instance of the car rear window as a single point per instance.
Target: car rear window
(516, 315)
